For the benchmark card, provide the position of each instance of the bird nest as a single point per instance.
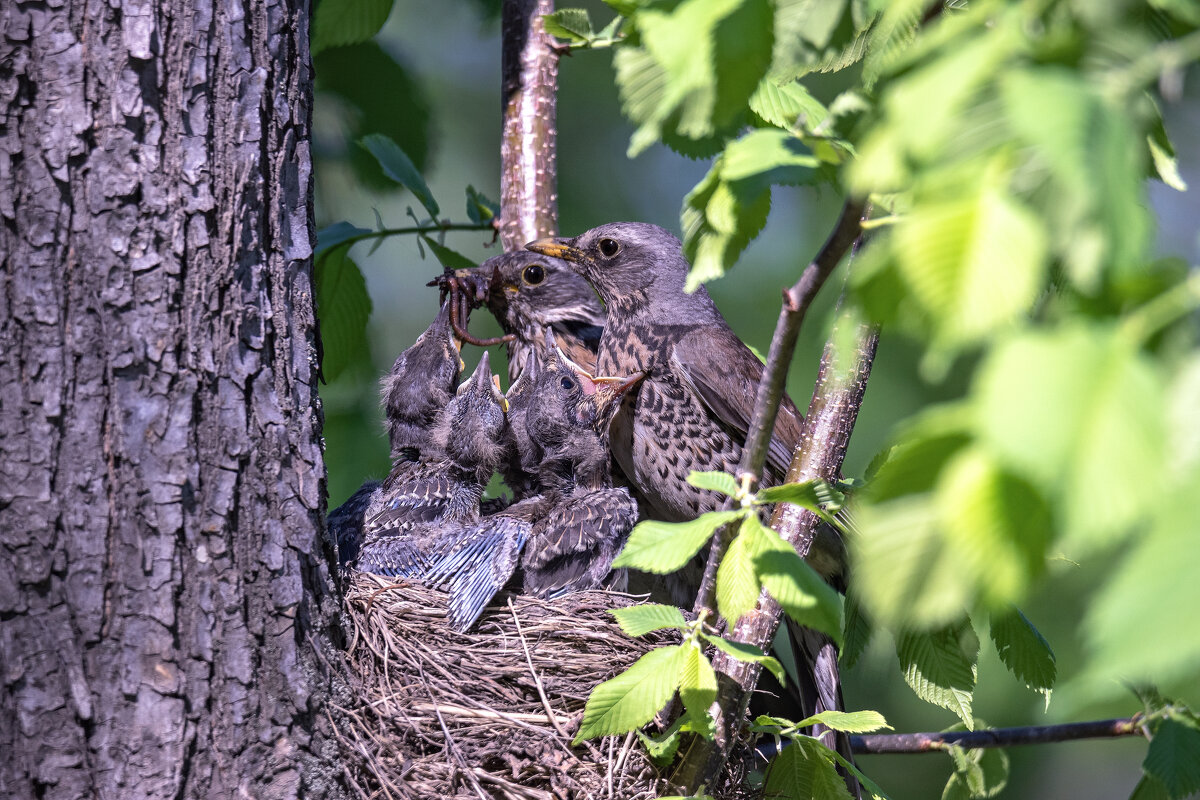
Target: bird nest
(489, 713)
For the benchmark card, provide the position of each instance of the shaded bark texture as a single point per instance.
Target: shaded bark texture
(164, 588)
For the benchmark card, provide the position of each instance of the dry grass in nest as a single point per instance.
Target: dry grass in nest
(489, 713)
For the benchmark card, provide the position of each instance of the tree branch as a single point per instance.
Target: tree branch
(832, 413)
(529, 79)
(797, 300)
(997, 737)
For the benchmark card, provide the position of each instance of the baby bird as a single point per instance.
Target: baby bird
(573, 546)
(415, 390)
(422, 504)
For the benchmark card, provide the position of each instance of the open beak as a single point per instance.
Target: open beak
(557, 248)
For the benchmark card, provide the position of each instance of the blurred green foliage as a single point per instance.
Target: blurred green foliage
(1034, 413)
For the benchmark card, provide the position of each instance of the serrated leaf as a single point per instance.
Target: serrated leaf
(662, 749)
(698, 691)
(343, 308)
(737, 579)
(746, 652)
(1149, 788)
(721, 482)
(1078, 411)
(1173, 758)
(342, 22)
(805, 769)
(479, 208)
(1024, 650)
(572, 24)
(868, 785)
(856, 634)
(801, 592)
(813, 495)
(336, 234)
(641, 619)
(938, 668)
(397, 166)
(448, 258)
(848, 721)
(631, 699)
(662, 547)
(766, 157)
(787, 106)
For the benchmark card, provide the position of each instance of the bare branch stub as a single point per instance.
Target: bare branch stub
(529, 75)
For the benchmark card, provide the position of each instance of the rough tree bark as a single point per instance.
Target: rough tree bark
(163, 584)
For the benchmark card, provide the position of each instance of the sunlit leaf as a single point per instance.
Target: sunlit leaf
(572, 24)
(698, 691)
(641, 619)
(662, 547)
(721, 482)
(747, 652)
(805, 769)
(631, 699)
(848, 721)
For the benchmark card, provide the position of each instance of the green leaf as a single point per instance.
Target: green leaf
(662, 749)
(982, 772)
(1024, 650)
(479, 208)
(805, 769)
(641, 619)
(848, 721)
(334, 235)
(662, 547)
(801, 592)
(1149, 788)
(343, 308)
(341, 22)
(698, 691)
(718, 220)
(1173, 758)
(1166, 165)
(866, 783)
(813, 495)
(397, 166)
(450, 259)
(746, 652)
(995, 524)
(572, 24)
(631, 699)
(721, 482)
(940, 667)
(971, 264)
(766, 157)
(1132, 626)
(787, 106)
(856, 634)
(738, 584)
(1078, 411)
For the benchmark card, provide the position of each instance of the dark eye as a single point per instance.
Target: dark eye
(609, 247)
(534, 274)
(566, 383)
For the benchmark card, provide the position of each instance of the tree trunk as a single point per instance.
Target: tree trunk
(163, 583)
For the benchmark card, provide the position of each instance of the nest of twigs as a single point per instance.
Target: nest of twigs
(489, 713)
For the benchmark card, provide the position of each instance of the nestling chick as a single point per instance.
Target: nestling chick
(421, 505)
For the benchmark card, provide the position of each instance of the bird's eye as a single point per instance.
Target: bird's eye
(609, 247)
(534, 274)
(566, 383)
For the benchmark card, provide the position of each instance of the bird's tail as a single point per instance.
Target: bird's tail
(821, 690)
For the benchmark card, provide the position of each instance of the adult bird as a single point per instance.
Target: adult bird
(420, 505)
(415, 390)
(529, 294)
(693, 409)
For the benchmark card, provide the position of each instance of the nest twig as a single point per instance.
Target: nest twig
(489, 713)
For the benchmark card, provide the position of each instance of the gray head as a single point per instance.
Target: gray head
(420, 384)
(634, 266)
(471, 429)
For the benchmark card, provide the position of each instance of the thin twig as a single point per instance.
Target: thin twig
(537, 681)
(435, 228)
(797, 300)
(996, 737)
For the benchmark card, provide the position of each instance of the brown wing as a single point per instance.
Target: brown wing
(724, 374)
